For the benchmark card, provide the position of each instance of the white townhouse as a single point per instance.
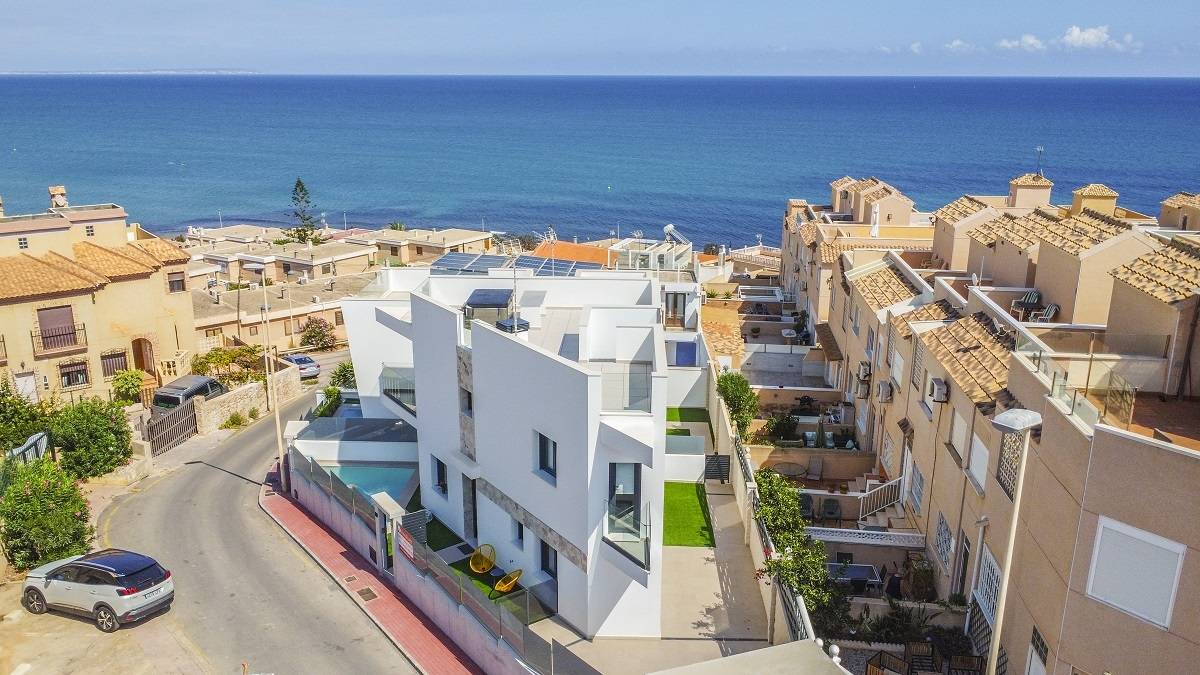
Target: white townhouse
(540, 404)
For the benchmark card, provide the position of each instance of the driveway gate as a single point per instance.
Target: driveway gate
(168, 430)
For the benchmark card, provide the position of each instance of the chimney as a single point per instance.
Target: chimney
(1029, 191)
(58, 196)
(1094, 196)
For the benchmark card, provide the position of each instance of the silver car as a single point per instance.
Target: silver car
(306, 364)
(112, 587)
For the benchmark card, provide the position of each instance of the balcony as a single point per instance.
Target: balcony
(625, 387)
(59, 341)
(399, 385)
(627, 533)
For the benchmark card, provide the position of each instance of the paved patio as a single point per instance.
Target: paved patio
(712, 607)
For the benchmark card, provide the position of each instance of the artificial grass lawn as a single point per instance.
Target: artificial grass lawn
(437, 535)
(687, 415)
(484, 582)
(685, 516)
(678, 432)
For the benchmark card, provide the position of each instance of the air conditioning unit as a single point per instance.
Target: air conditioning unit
(303, 279)
(938, 390)
(864, 370)
(862, 389)
(883, 392)
(254, 285)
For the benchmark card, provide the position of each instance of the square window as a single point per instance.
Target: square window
(549, 560)
(326, 268)
(395, 251)
(22, 243)
(113, 362)
(74, 374)
(253, 329)
(212, 332)
(547, 456)
(1135, 571)
(338, 319)
(440, 483)
(176, 282)
(90, 230)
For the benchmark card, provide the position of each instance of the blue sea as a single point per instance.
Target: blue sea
(718, 157)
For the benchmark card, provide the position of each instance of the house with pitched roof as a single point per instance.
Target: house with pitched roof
(72, 279)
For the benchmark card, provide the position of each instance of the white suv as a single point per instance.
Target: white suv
(110, 586)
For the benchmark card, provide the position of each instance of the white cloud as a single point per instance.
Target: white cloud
(1028, 42)
(959, 46)
(915, 48)
(884, 49)
(1097, 37)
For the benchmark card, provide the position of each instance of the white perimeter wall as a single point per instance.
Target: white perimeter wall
(687, 387)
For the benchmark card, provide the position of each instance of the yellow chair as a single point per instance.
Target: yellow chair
(483, 559)
(507, 582)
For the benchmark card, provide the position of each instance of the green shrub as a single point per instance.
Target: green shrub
(343, 376)
(254, 413)
(727, 295)
(781, 426)
(19, 419)
(734, 389)
(333, 399)
(800, 560)
(94, 436)
(43, 515)
(318, 333)
(127, 386)
(235, 421)
(710, 294)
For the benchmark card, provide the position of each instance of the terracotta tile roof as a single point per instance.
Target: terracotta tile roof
(1095, 190)
(1170, 274)
(162, 250)
(828, 342)
(808, 233)
(864, 184)
(1036, 179)
(884, 190)
(109, 262)
(73, 267)
(1182, 199)
(841, 182)
(974, 356)
(28, 277)
(958, 209)
(941, 310)
(565, 250)
(831, 250)
(884, 287)
(1075, 234)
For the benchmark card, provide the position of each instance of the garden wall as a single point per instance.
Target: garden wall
(212, 413)
(687, 387)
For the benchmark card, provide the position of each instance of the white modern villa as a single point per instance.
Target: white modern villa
(539, 391)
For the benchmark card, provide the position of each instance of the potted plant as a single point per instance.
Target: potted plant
(754, 331)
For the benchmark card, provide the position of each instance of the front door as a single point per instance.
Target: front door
(143, 355)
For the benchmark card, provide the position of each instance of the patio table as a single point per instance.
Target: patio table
(848, 574)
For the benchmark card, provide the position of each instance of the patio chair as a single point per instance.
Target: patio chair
(507, 582)
(830, 441)
(1028, 301)
(806, 511)
(831, 509)
(814, 469)
(483, 559)
(810, 439)
(1045, 315)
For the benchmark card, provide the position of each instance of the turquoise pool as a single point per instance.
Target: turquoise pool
(390, 478)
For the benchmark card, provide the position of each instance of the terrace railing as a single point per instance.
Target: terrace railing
(400, 385)
(853, 536)
(627, 533)
(59, 340)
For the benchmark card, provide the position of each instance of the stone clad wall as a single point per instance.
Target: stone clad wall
(212, 413)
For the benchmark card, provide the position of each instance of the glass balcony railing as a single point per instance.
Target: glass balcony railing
(625, 386)
(626, 532)
(400, 385)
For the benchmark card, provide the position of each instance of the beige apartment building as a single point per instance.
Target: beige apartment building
(1105, 569)
(85, 294)
(407, 247)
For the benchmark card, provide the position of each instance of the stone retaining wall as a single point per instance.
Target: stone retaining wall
(212, 413)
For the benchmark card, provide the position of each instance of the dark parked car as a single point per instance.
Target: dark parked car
(175, 394)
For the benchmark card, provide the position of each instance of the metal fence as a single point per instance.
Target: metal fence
(168, 430)
(30, 450)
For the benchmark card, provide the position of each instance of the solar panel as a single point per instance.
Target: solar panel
(453, 261)
(588, 266)
(484, 263)
(528, 262)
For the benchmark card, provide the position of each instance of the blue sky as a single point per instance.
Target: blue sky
(704, 37)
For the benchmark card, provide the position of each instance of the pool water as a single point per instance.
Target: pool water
(390, 478)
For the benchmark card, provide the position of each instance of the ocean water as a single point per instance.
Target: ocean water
(716, 156)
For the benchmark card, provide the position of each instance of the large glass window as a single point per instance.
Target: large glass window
(547, 455)
(549, 560)
(440, 482)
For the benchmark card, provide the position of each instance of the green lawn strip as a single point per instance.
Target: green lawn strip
(687, 415)
(685, 516)
(678, 432)
(438, 536)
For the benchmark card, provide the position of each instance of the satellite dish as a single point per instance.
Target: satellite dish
(637, 234)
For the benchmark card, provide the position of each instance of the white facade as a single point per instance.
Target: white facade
(587, 383)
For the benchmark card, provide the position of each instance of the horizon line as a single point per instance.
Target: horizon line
(237, 72)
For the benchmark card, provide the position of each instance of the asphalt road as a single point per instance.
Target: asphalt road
(245, 592)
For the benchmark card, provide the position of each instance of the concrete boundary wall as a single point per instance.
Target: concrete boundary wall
(489, 653)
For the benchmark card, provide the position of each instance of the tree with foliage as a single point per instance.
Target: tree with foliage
(318, 333)
(734, 389)
(712, 249)
(43, 515)
(343, 376)
(94, 436)
(799, 560)
(305, 226)
(127, 386)
(397, 225)
(19, 418)
(232, 366)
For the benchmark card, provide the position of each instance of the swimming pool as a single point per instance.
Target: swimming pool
(390, 478)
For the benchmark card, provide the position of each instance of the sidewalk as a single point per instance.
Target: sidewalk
(422, 642)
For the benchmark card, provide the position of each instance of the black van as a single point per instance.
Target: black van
(173, 395)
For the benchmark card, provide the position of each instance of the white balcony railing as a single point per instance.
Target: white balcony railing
(879, 498)
(873, 538)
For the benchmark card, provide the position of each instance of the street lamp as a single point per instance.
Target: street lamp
(1014, 421)
(272, 401)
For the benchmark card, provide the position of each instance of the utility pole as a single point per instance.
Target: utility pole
(272, 399)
